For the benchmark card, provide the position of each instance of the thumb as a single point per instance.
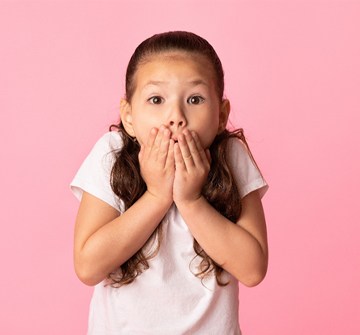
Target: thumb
(141, 152)
(208, 155)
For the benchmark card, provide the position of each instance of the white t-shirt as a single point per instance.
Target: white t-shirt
(167, 298)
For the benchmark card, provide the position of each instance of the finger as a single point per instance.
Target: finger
(179, 161)
(185, 152)
(164, 145)
(157, 143)
(202, 156)
(208, 155)
(170, 158)
(141, 153)
(150, 143)
(195, 151)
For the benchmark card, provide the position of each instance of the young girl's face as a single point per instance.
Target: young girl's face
(176, 90)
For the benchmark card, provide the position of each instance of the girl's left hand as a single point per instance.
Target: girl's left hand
(192, 166)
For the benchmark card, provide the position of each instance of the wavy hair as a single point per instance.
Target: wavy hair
(220, 188)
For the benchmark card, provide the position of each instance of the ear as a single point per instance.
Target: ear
(224, 115)
(126, 117)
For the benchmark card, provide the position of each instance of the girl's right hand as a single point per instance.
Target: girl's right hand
(157, 164)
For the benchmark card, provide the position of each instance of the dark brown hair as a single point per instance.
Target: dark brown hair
(220, 189)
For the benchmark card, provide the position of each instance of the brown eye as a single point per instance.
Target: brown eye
(155, 100)
(195, 100)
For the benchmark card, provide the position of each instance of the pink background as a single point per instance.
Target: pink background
(292, 75)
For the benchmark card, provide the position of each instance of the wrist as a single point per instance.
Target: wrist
(159, 200)
(189, 204)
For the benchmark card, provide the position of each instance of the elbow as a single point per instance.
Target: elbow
(252, 281)
(86, 276)
(254, 278)
(256, 273)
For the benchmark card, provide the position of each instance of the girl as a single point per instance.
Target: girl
(170, 217)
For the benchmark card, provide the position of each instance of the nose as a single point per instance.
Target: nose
(177, 119)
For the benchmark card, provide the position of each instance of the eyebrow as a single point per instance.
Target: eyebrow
(195, 82)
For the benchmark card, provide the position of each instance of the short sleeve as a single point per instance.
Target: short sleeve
(93, 175)
(247, 176)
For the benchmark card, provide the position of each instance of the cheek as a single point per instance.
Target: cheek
(207, 135)
(142, 127)
(208, 139)
(208, 130)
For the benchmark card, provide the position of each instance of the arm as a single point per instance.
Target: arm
(240, 248)
(104, 240)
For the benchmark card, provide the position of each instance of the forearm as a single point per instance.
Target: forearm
(231, 246)
(115, 242)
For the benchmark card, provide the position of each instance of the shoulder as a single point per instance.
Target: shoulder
(105, 147)
(244, 169)
(94, 173)
(237, 150)
(109, 141)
